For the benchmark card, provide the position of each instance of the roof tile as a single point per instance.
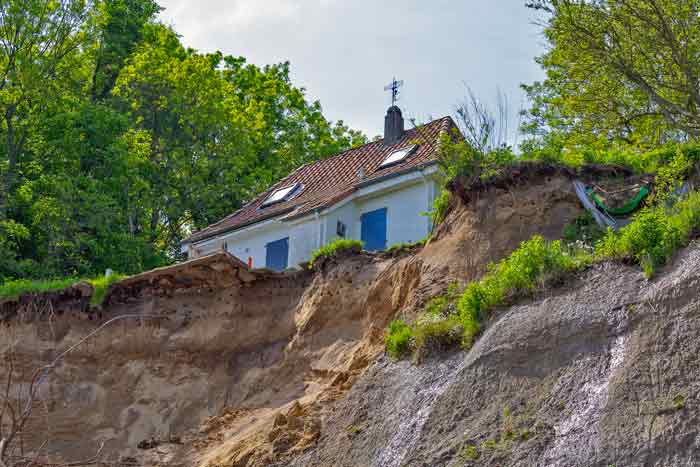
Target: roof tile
(330, 180)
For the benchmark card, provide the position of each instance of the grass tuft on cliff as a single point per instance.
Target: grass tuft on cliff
(101, 285)
(14, 289)
(335, 248)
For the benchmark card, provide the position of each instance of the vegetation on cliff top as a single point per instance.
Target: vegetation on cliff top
(14, 289)
(335, 248)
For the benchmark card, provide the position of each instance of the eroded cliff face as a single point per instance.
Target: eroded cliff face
(601, 372)
(219, 366)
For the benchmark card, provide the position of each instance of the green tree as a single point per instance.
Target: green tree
(38, 37)
(622, 71)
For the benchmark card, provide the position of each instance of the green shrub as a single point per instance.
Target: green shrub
(101, 285)
(13, 289)
(334, 248)
(398, 338)
(523, 271)
(437, 334)
(440, 205)
(583, 229)
(654, 235)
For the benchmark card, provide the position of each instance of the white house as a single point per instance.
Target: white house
(377, 193)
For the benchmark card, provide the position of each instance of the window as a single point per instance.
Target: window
(283, 194)
(398, 156)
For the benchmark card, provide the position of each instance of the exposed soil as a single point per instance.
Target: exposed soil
(215, 365)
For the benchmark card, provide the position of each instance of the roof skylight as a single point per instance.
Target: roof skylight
(283, 194)
(398, 156)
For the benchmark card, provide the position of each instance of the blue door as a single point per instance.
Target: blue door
(277, 254)
(373, 233)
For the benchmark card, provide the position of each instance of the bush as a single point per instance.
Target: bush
(405, 246)
(398, 339)
(334, 248)
(654, 235)
(440, 205)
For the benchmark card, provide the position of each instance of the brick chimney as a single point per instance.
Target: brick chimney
(393, 125)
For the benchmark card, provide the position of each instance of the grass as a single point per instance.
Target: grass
(14, 289)
(405, 246)
(334, 248)
(101, 286)
(398, 339)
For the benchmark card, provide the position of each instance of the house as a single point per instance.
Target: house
(378, 193)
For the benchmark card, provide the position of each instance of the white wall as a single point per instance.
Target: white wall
(405, 198)
(405, 223)
(252, 241)
(346, 214)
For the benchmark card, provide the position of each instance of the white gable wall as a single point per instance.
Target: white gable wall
(405, 198)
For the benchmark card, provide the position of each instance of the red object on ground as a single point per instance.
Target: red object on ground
(250, 262)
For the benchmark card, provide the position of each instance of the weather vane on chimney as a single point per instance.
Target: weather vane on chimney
(394, 88)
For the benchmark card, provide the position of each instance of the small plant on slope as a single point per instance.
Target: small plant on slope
(398, 339)
(101, 285)
(334, 248)
(655, 234)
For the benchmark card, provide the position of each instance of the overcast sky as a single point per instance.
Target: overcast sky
(345, 51)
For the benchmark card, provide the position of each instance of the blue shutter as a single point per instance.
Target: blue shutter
(373, 233)
(277, 254)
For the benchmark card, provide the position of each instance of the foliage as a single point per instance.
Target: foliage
(117, 141)
(650, 240)
(398, 338)
(583, 229)
(405, 246)
(458, 159)
(101, 286)
(655, 234)
(440, 205)
(622, 73)
(13, 289)
(335, 248)
(525, 270)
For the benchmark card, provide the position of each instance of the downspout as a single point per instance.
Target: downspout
(427, 196)
(319, 237)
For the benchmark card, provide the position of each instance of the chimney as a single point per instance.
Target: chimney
(393, 125)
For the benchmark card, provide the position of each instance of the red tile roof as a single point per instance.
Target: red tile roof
(331, 180)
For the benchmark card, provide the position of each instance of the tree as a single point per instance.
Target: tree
(623, 71)
(120, 30)
(116, 141)
(36, 38)
(219, 132)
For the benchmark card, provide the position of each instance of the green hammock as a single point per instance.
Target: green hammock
(629, 207)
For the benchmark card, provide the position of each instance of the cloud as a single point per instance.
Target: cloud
(344, 52)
